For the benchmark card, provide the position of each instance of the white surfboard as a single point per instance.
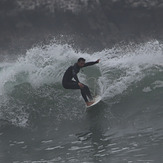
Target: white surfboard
(96, 100)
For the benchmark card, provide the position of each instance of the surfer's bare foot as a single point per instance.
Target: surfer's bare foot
(89, 103)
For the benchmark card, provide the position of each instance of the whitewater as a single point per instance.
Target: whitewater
(43, 122)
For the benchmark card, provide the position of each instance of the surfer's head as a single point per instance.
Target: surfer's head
(81, 62)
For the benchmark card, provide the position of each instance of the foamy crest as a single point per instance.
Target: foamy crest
(120, 67)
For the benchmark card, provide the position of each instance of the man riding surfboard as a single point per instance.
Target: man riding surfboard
(71, 73)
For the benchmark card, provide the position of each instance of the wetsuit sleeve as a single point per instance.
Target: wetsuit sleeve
(90, 63)
(75, 75)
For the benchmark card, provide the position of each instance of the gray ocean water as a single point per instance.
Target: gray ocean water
(42, 122)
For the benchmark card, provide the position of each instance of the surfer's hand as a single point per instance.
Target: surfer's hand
(80, 85)
(98, 61)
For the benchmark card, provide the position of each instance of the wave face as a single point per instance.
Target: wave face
(130, 81)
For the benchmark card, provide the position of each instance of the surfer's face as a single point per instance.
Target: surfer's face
(81, 63)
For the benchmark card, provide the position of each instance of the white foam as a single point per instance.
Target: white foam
(127, 67)
(119, 68)
(158, 84)
(147, 89)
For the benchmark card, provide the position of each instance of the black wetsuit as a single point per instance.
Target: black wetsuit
(71, 73)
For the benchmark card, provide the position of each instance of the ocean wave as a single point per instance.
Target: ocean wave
(31, 87)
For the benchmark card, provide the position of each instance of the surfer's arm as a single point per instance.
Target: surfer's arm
(75, 75)
(76, 78)
(91, 63)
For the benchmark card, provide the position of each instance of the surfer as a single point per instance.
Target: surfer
(71, 73)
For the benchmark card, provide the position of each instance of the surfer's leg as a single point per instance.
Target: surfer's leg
(83, 93)
(87, 92)
(74, 85)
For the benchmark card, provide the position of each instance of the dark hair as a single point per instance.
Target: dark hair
(81, 59)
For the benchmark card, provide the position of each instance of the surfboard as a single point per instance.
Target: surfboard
(96, 100)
